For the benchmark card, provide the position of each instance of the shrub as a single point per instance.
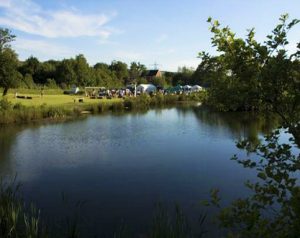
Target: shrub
(117, 106)
(5, 104)
(18, 106)
(54, 112)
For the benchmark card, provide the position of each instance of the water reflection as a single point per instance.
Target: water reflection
(240, 125)
(122, 163)
(8, 137)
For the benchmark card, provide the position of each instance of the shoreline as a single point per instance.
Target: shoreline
(12, 114)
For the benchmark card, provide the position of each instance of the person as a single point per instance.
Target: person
(42, 92)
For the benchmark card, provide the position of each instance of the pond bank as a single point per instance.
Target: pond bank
(18, 113)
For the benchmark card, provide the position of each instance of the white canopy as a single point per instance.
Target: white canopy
(187, 87)
(146, 88)
(196, 88)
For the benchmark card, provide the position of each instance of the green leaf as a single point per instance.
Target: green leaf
(262, 175)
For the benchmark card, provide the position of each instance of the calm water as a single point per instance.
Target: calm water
(121, 165)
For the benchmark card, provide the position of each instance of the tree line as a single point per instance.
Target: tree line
(33, 73)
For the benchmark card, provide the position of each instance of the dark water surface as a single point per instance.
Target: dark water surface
(121, 165)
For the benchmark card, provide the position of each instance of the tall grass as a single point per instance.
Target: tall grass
(174, 224)
(18, 113)
(19, 220)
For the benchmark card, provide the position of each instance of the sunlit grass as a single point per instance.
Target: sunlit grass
(51, 97)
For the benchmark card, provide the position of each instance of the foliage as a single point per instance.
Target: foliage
(104, 76)
(9, 75)
(19, 220)
(166, 227)
(5, 38)
(273, 208)
(5, 104)
(251, 75)
(184, 76)
(135, 71)
(141, 102)
(120, 70)
(66, 73)
(16, 220)
(77, 71)
(247, 75)
(159, 81)
(82, 71)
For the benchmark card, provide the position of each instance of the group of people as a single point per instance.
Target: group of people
(110, 93)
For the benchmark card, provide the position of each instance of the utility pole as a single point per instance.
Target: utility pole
(155, 65)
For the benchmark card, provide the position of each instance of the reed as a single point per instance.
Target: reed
(19, 113)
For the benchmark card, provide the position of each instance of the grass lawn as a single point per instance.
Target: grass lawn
(51, 98)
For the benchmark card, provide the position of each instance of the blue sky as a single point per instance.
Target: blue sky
(170, 33)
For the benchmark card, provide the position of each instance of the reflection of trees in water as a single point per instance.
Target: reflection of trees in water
(242, 125)
(8, 136)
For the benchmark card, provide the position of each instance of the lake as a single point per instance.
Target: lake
(118, 166)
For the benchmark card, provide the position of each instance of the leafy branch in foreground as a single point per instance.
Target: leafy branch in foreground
(273, 208)
(249, 75)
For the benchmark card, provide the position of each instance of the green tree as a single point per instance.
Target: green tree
(207, 70)
(159, 81)
(8, 62)
(120, 69)
(9, 76)
(5, 38)
(83, 71)
(272, 209)
(235, 85)
(65, 73)
(281, 78)
(103, 75)
(135, 71)
(183, 76)
(47, 70)
(31, 66)
(27, 81)
(242, 74)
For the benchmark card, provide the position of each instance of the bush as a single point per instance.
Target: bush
(157, 100)
(141, 102)
(5, 104)
(117, 106)
(54, 112)
(18, 106)
(51, 83)
(182, 97)
(103, 107)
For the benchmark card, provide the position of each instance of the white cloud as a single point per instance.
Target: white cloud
(43, 48)
(161, 38)
(128, 55)
(4, 3)
(27, 16)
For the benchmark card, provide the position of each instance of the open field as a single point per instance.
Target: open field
(51, 97)
(55, 105)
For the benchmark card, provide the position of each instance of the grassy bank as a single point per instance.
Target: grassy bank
(63, 107)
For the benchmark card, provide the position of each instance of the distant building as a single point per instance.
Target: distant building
(151, 74)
